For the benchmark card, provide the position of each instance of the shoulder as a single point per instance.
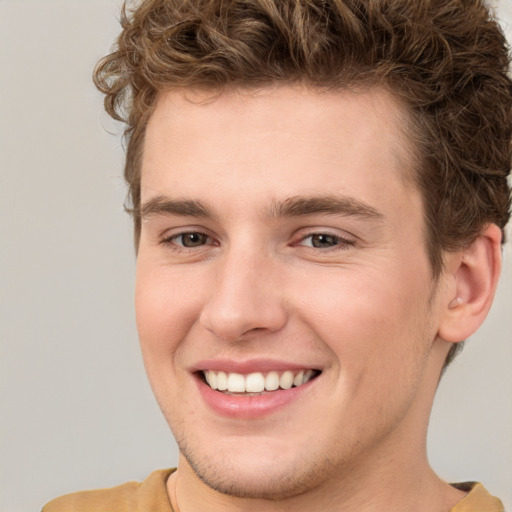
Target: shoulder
(150, 494)
(477, 499)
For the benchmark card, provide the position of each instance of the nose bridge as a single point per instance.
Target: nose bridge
(246, 296)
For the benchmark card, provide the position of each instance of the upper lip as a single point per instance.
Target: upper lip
(250, 366)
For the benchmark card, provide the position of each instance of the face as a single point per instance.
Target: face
(282, 261)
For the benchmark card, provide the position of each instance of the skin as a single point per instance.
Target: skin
(364, 310)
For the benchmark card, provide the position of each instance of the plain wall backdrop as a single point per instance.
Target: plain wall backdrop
(76, 410)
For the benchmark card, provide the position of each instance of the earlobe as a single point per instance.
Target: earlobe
(475, 275)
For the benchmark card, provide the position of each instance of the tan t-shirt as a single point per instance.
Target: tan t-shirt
(151, 496)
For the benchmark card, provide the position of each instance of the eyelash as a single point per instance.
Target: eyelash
(170, 241)
(339, 243)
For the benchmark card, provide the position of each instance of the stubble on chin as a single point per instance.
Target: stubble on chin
(272, 480)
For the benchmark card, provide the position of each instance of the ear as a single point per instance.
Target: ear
(474, 272)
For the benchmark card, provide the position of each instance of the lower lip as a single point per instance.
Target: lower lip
(252, 406)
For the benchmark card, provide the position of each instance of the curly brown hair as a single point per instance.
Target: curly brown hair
(446, 60)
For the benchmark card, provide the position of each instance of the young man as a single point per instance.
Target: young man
(319, 194)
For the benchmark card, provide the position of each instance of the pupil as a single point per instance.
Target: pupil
(323, 241)
(194, 239)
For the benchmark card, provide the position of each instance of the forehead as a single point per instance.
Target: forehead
(282, 134)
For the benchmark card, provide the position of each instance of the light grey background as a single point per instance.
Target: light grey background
(76, 411)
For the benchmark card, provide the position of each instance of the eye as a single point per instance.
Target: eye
(324, 241)
(189, 240)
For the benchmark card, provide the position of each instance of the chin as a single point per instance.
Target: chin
(266, 482)
(267, 476)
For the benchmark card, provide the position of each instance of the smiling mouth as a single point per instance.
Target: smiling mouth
(257, 382)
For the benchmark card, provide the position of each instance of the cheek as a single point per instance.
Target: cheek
(368, 319)
(167, 307)
(166, 304)
(378, 336)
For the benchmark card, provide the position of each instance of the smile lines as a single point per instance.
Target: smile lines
(256, 382)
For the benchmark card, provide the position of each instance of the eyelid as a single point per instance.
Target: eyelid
(338, 237)
(344, 240)
(168, 238)
(343, 235)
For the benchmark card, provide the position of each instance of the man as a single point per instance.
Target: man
(319, 192)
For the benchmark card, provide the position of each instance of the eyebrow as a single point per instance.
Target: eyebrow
(330, 205)
(295, 206)
(162, 205)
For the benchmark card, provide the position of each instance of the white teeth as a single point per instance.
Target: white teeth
(271, 381)
(236, 383)
(256, 382)
(307, 376)
(286, 380)
(222, 381)
(212, 379)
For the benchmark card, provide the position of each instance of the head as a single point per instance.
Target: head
(423, 92)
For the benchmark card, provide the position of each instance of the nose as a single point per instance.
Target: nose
(247, 298)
